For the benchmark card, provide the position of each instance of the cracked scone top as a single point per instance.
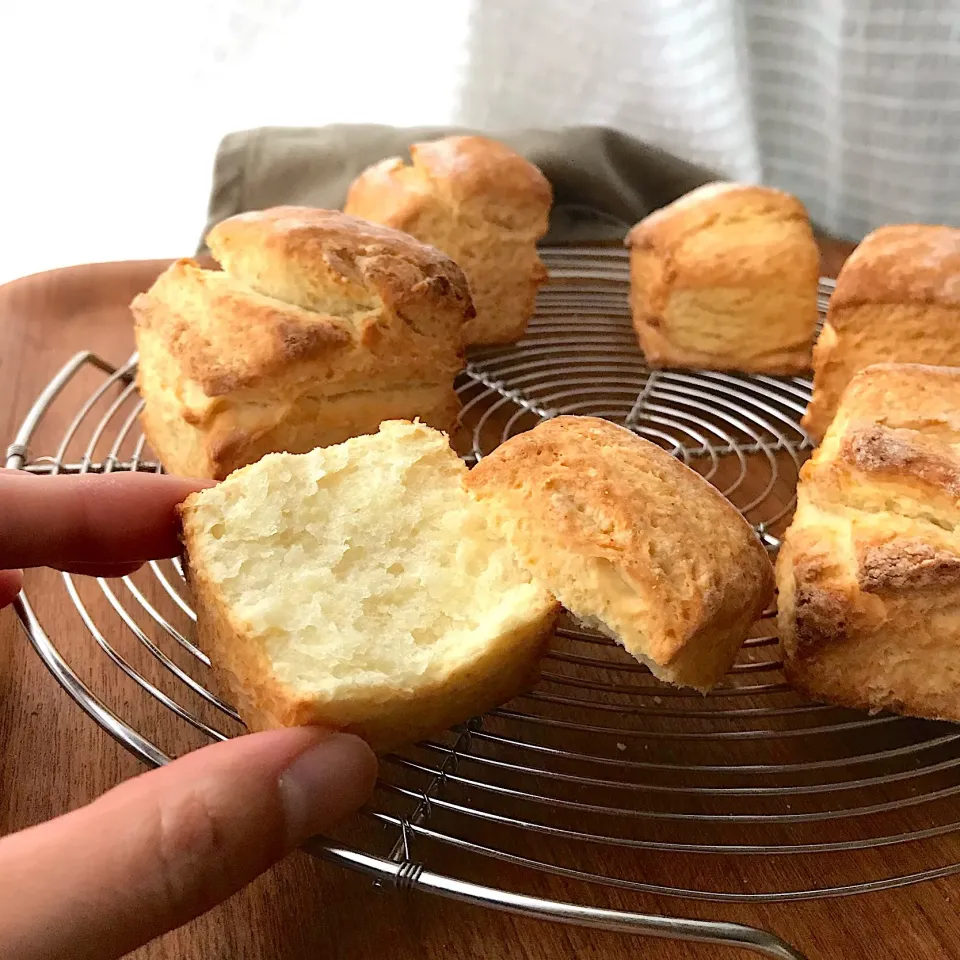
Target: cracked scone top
(482, 203)
(869, 571)
(318, 327)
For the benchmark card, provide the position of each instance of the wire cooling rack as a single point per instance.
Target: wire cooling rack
(601, 777)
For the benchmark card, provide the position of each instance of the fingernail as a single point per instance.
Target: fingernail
(325, 783)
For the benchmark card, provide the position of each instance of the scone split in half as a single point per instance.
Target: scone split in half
(377, 586)
(632, 542)
(725, 278)
(869, 571)
(362, 588)
(319, 327)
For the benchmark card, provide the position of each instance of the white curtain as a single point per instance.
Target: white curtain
(111, 110)
(854, 105)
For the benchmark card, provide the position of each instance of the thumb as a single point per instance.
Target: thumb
(168, 845)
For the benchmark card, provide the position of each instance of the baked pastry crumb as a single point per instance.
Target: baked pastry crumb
(484, 205)
(632, 543)
(897, 299)
(360, 587)
(318, 327)
(725, 278)
(869, 570)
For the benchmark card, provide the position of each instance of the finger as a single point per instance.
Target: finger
(164, 847)
(10, 583)
(55, 521)
(108, 570)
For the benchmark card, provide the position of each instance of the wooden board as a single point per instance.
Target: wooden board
(52, 758)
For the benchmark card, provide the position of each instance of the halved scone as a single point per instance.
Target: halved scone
(361, 587)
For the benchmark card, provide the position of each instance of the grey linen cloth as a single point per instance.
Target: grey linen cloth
(604, 181)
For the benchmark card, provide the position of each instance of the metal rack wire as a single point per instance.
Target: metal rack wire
(601, 770)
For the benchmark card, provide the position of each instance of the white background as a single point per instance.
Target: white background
(111, 110)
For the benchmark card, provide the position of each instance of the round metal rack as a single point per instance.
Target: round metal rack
(601, 778)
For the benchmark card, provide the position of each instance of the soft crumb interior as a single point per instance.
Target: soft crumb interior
(363, 561)
(594, 588)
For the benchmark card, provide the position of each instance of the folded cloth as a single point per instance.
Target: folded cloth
(603, 180)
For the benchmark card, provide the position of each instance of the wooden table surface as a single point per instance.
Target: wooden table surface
(53, 758)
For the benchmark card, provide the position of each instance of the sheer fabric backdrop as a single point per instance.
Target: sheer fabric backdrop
(854, 105)
(112, 110)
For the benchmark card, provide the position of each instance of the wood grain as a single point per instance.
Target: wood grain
(52, 758)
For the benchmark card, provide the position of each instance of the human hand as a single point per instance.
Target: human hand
(169, 844)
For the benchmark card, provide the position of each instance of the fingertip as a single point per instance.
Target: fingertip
(113, 518)
(167, 483)
(366, 766)
(326, 782)
(108, 571)
(182, 838)
(11, 583)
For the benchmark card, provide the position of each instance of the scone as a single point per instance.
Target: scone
(869, 571)
(725, 278)
(318, 327)
(362, 588)
(631, 542)
(897, 299)
(482, 204)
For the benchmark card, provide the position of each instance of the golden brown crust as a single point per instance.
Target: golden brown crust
(224, 336)
(899, 421)
(480, 202)
(901, 454)
(327, 262)
(709, 206)
(684, 574)
(869, 571)
(487, 177)
(901, 263)
(726, 279)
(478, 178)
(820, 609)
(309, 304)
(897, 299)
(904, 564)
(390, 192)
(891, 449)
